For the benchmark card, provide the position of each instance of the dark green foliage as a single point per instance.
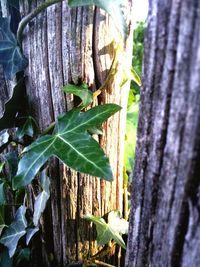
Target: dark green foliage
(11, 57)
(81, 91)
(71, 143)
(15, 231)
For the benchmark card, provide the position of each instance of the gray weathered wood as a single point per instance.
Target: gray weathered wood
(59, 44)
(164, 223)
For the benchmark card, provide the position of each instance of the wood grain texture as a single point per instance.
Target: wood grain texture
(165, 200)
(59, 46)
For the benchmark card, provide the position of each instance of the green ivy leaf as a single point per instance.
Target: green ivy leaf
(11, 160)
(2, 193)
(112, 7)
(72, 144)
(2, 218)
(41, 199)
(111, 230)
(22, 255)
(15, 231)
(1, 166)
(25, 129)
(4, 140)
(30, 233)
(10, 54)
(14, 106)
(81, 91)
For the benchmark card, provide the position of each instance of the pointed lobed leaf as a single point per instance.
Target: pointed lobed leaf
(81, 91)
(25, 129)
(15, 231)
(71, 143)
(106, 231)
(41, 199)
(2, 193)
(2, 218)
(22, 256)
(118, 224)
(112, 7)
(30, 232)
(10, 54)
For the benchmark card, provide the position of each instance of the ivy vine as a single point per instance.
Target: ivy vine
(69, 138)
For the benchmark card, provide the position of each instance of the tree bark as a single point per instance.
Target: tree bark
(71, 45)
(164, 224)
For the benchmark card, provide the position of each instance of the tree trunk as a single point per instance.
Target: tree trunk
(71, 45)
(164, 224)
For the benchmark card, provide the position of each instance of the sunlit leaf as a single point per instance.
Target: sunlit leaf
(4, 136)
(30, 232)
(135, 77)
(111, 230)
(117, 223)
(4, 140)
(71, 143)
(1, 166)
(14, 106)
(15, 231)
(112, 7)
(81, 91)
(10, 54)
(41, 199)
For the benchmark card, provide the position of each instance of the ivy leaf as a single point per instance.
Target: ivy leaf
(14, 106)
(25, 129)
(72, 144)
(2, 193)
(96, 130)
(135, 77)
(2, 218)
(81, 91)
(4, 136)
(1, 166)
(15, 231)
(118, 224)
(22, 256)
(4, 140)
(41, 199)
(10, 54)
(108, 231)
(112, 7)
(30, 233)
(11, 159)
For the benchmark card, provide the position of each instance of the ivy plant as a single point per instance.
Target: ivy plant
(69, 138)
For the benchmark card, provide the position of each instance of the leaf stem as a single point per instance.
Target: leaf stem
(23, 23)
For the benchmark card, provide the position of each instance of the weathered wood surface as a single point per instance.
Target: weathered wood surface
(164, 224)
(60, 46)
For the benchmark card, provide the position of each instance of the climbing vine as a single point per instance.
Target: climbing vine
(69, 138)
